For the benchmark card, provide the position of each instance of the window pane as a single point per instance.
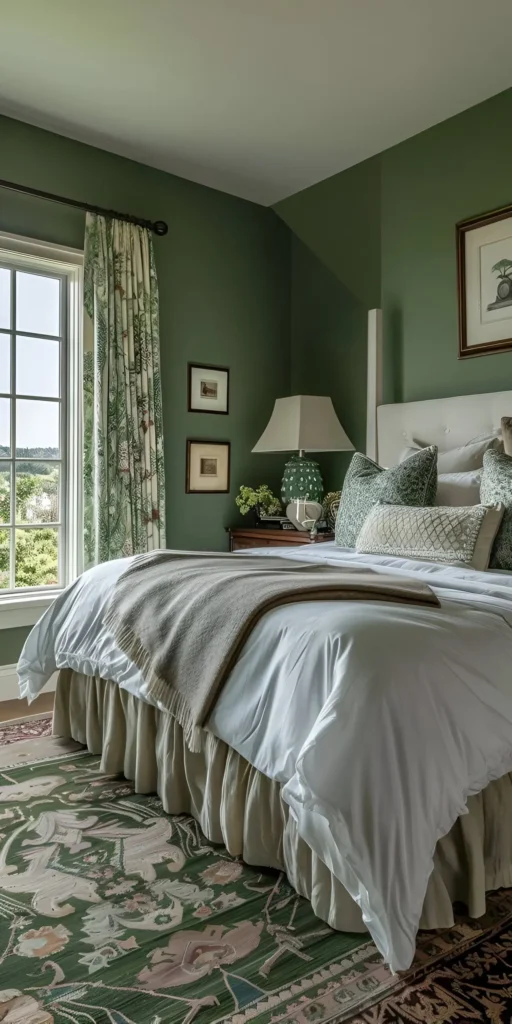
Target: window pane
(5, 427)
(37, 492)
(4, 559)
(5, 297)
(5, 493)
(37, 429)
(37, 367)
(37, 304)
(36, 557)
(5, 362)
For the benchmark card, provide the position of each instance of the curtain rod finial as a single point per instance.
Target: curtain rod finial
(160, 227)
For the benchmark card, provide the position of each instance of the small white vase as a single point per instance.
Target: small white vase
(299, 512)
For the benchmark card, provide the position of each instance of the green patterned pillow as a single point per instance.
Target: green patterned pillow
(413, 482)
(496, 486)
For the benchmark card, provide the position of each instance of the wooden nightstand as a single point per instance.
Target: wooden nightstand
(259, 537)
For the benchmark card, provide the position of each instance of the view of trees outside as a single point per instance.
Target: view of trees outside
(30, 331)
(37, 501)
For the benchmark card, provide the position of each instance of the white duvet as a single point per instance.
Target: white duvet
(380, 718)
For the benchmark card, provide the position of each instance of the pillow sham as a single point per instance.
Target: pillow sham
(459, 460)
(459, 488)
(460, 536)
(411, 483)
(506, 433)
(497, 486)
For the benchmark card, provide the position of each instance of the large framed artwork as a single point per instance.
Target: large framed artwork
(484, 248)
(207, 467)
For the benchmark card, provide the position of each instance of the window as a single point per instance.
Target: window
(40, 405)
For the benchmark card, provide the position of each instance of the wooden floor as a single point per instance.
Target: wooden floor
(20, 709)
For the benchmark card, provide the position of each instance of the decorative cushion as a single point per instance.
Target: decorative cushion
(506, 433)
(497, 486)
(459, 488)
(331, 504)
(459, 460)
(463, 536)
(411, 483)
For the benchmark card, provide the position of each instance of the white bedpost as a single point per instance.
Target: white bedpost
(374, 380)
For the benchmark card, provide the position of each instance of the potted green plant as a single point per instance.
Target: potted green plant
(260, 499)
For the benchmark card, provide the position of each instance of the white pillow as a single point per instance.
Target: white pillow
(459, 460)
(459, 488)
(455, 536)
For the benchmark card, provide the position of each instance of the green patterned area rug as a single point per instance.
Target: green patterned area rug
(112, 912)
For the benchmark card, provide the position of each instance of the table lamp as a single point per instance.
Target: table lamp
(303, 423)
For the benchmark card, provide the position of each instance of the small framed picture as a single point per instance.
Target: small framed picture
(207, 467)
(484, 250)
(208, 388)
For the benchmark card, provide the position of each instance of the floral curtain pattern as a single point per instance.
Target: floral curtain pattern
(124, 493)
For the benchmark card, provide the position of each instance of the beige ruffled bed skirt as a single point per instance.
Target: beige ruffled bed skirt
(238, 806)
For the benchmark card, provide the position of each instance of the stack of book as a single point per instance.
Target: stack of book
(275, 523)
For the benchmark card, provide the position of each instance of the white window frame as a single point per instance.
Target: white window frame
(24, 607)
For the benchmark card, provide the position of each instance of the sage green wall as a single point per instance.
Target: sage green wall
(386, 230)
(327, 321)
(223, 273)
(455, 170)
(335, 279)
(339, 220)
(11, 642)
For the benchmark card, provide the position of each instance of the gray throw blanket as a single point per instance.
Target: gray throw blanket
(183, 616)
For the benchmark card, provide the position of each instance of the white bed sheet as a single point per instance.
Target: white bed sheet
(381, 719)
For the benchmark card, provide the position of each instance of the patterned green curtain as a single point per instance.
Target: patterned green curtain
(124, 499)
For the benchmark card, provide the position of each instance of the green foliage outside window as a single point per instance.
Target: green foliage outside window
(36, 549)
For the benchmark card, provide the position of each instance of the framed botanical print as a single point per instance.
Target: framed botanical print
(208, 388)
(208, 467)
(484, 248)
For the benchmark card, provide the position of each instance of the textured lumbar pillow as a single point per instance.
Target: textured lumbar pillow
(506, 433)
(459, 460)
(496, 486)
(463, 536)
(413, 482)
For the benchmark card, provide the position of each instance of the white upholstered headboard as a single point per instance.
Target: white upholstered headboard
(446, 422)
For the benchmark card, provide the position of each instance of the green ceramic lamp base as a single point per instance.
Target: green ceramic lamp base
(301, 479)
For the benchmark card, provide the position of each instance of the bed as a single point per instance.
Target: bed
(272, 769)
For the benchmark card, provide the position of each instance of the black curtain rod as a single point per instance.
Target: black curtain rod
(158, 226)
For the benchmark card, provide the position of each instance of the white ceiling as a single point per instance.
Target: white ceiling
(260, 98)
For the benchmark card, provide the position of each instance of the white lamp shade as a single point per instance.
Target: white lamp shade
(304, 423)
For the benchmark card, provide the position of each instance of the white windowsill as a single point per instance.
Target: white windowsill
(24, 610)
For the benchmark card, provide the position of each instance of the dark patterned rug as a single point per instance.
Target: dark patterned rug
(12, 732)
(470, 985)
